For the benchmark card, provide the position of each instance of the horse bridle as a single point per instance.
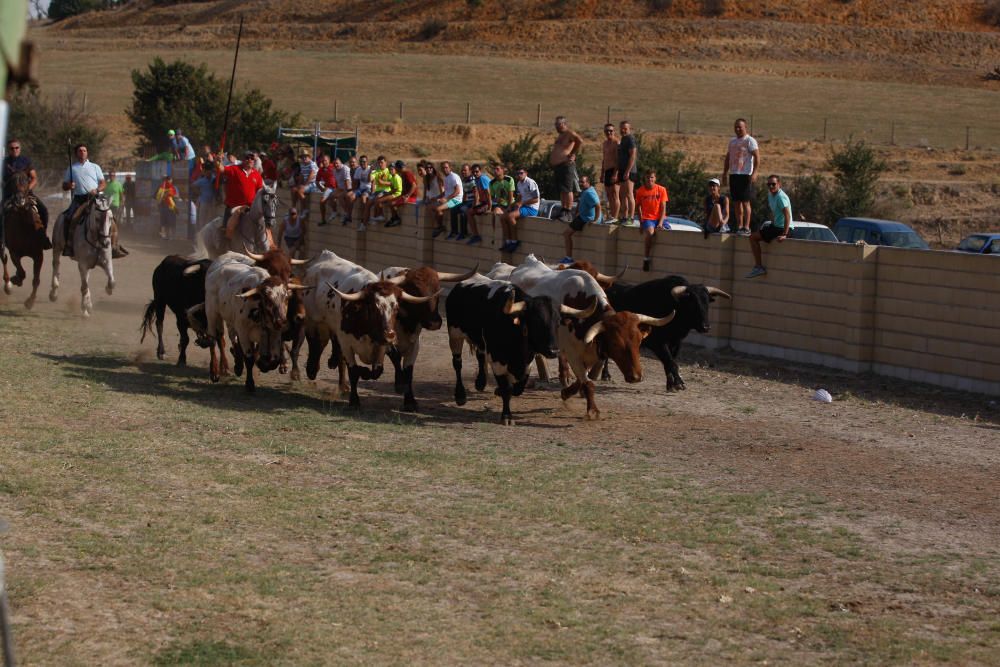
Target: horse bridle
(103, 239)
(267, 214)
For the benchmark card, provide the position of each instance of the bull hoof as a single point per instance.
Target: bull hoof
(355, 403)
(251, 388)
(160, 354)
(332, 363)
(17, 280)
(110, 289)
(506, 420)
(53, 295)
(30, 303)
(9, 290)
(213, 377)
(409, 406)
(182, 362)
(282, 369)
(399, 388)
(460, 396)
(593, 415)
(480, 383)
(294, 375)
(605, 377)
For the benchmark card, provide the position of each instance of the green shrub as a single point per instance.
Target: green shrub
(713, 8)
(431, 28)
(856, 170)
(991, 13)
(49, 128)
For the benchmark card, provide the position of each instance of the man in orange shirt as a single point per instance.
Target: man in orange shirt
(651, 200)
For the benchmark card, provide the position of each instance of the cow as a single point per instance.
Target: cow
(277, 263)
(498, 319)
(412, 319)
(665, 295)
(605, 334)
(355, 311)
(253, 305)
(178, 283)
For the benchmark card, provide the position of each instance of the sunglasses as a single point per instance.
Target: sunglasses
(772, 184)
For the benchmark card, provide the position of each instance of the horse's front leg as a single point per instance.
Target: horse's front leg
(6, 276)
(19, 272)
(36, 279)
(109, 269)
(56, 256)
(86, 305)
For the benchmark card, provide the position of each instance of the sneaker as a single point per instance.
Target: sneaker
(437, 232)
(744, 232)
(451, 237)
(506, 246)
(514, 245)
(646, 262)
(361, 226)
(756, 271)
(566, 216)
(346, 221)
(724, 229)
(610, 221)
(474, 239)
(395, 222)
(378, 218)
(566, 260)
(460, 237)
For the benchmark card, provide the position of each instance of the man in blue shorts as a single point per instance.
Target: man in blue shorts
(588, 211)
(651, 200)
(525, 206)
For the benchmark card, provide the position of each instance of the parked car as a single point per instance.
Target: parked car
(809, 231)
(982, 244)
(878, 232)
(679, 224)
(549, 208)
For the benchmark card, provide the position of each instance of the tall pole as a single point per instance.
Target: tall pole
(229, 102)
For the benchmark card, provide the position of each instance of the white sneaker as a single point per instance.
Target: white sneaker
(610, 221)
(361, 226)
(378, 218)
(756, 271)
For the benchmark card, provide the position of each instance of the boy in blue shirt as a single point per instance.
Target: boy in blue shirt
(588, 211)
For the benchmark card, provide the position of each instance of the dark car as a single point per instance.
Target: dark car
(878, 232)
(981, 244)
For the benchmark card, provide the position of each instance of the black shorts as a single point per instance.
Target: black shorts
(577, 224)
(739, 187)
(769, 232)
(632, 176)
(609, 177)
(566, 177)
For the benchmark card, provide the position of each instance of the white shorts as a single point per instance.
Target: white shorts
(327, 193)
(312, 187)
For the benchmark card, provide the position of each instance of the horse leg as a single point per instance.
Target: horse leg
(57, 248)
(86, 305)
(6, 276)
(36, 279)
(110, 270)
(19, 272)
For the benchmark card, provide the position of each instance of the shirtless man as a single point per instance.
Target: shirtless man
(563, 158)
(609, 171)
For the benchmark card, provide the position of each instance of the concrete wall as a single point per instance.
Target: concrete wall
(928, 316)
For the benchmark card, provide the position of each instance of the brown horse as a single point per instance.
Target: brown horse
(23, 233)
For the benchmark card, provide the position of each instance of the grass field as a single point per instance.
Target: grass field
(370, 86)
(159, 519)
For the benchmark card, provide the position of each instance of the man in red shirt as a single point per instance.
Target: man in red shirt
(325, 183)
(268, 168)
(242, 184)
(651, 200)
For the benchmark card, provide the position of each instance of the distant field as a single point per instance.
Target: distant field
(369, 87)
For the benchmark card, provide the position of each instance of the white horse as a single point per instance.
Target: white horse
(251, 231)
(91, 241)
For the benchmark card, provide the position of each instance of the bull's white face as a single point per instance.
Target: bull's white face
(387, 308)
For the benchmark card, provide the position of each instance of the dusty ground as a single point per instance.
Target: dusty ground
(158, 518)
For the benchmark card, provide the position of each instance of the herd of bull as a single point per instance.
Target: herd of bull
(508, 317)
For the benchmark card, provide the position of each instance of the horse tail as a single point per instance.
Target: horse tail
(147, 320)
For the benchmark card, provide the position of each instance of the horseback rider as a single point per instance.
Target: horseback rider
(85, 179)
(13, 164)
(242, 184)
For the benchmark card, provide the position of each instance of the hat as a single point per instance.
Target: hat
(399, 164)
(305, 152)
(170, 133)
(714, 181)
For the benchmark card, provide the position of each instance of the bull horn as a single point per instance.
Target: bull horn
(610, 280)
(655, 321)
(252, 255)
(300, 262)
(191, 270)
(345, 297)
(512, 307)
(249, 293)
(458, 277)
(398, 280)
(583, 314)
(301, 287)
(715, 291)
(593, 332)
(409, 298)
(679, 291)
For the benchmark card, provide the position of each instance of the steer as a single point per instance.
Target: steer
(412, 319)
(586, 342)
(178, 283)
(355, 311)
(277, 263)
(665, 295)
(497, 318)
(253, 305)
(603, 280)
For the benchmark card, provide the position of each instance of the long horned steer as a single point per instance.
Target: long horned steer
(254, 306)
(586, 342)
(355, 311)
(277, 263)
(498, 319)
(414, 318)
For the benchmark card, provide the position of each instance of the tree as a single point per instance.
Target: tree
(62, 9)
(48, 128)
(856, 170)
(181, 95)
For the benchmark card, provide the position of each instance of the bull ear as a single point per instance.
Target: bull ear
(679, 291)
(593, 332)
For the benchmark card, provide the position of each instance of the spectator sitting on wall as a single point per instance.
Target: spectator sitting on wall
(651, 200)
(588, 211)
(381, 180)
(526, 205)
(781, 216)
(501, 190)
(324, 183)
(394, 192)
(716, 209)
(407, 196)
(460, 215)
(433, 184)
(451, 195)
(483, 204)
(361, 177)
(341, 188)
(305, 181)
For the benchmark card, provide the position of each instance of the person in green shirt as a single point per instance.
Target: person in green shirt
(381, 181)
(387, 198)
(501, 190)
(113, 191)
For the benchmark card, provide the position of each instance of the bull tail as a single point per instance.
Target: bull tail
(147, 320)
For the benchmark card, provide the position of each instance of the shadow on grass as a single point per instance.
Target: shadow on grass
(163, 380)
(867, 387)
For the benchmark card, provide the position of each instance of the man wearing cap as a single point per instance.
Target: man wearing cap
(305, 180)
(181, 147)
(242, 184)
(716, 209)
